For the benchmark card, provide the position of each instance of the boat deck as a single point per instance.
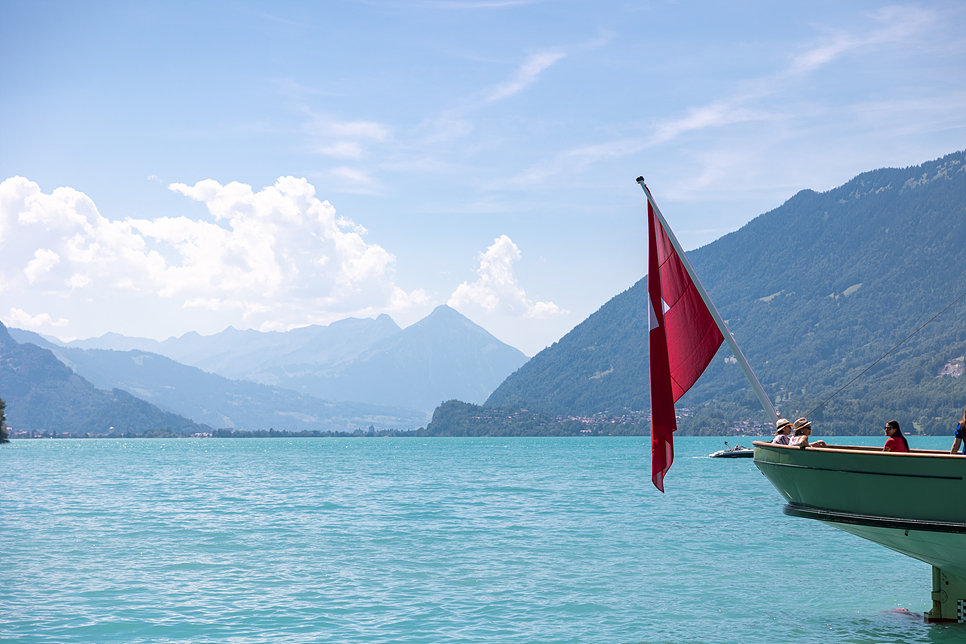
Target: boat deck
(862, 448)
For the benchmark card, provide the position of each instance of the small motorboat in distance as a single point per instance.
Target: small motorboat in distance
(738, 451)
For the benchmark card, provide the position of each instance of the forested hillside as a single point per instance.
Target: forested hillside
(814, 291)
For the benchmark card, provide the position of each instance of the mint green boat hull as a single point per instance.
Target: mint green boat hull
(913, 503)
(921, 485)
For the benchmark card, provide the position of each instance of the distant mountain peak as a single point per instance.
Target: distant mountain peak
(445, 309)
(444, 315)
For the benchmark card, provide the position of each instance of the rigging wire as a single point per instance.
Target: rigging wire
(884, 355)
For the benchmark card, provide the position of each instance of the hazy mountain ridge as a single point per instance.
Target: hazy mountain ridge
(248, 353)
(218, 401)
(441, 357)
(42, 394)
(814, 291)
(315, 372)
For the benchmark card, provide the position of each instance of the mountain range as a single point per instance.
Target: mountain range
(351, 374)
(826, 288)
(43, 394)
(217, 401)
(815, 292)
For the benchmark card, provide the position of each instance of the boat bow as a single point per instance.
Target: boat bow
(913, 503)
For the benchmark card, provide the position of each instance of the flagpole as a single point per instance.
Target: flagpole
(722, 326)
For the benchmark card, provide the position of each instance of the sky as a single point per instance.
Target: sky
(170, 167)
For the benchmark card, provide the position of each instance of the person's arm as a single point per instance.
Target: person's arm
(956, 445)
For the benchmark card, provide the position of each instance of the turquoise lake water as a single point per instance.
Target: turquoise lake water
(412, 540)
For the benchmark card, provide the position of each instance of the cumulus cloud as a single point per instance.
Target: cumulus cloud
(23, 320)
(279, 251)
(43, 261)
(497, 290)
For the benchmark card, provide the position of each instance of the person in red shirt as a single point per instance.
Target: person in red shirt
(897, 442)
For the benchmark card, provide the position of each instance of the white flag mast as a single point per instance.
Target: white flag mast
(722, 326)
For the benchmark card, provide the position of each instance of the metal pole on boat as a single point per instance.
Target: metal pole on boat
(722, 326)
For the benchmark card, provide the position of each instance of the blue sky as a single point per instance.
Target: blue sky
(170, 167)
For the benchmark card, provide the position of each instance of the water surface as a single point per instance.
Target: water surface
(411, 540)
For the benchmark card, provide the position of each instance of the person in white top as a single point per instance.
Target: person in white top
(783, 430)
(802, 431)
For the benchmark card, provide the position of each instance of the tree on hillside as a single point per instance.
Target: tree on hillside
(4, 437)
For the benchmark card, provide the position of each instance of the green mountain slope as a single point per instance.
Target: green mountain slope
(815, 291)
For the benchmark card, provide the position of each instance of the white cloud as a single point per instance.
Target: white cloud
(772, 99)
(526, 74)
(706, 116)
(895, 24)
(358, 129)
(344, 149)
(247, 309)
(572, 161)
(478, 4)
(324, 126)
(447, 127)
(345, 140)
(497, 290)
(352, 174)
(43, 261)
(23, 320)
(278, 251)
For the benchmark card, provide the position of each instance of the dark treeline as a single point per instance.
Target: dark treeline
(455, 418)
(452, 418)
(226, 433)
(273, 433)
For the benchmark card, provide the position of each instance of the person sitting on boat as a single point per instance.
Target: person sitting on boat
(802, 431)
(783, 430)
(897, 442)
(960, 435)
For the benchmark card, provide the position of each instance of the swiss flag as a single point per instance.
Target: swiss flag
(683, 339)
